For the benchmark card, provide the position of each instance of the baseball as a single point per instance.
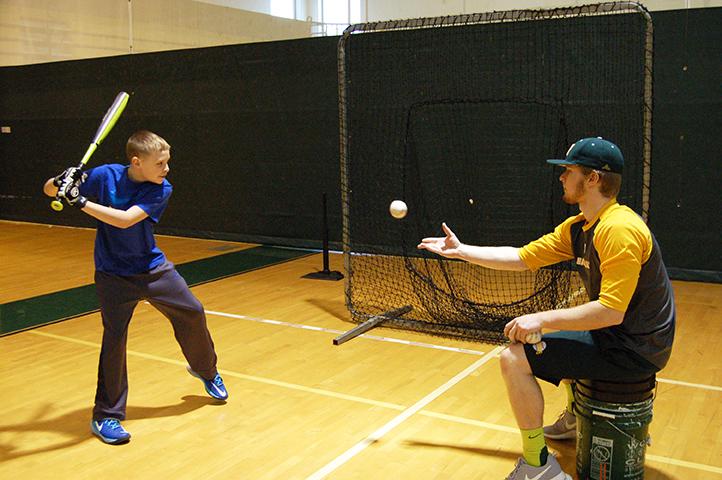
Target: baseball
(398, 209)
(533, 337)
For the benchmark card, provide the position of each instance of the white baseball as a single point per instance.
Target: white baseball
(533, 337)
(398, 209)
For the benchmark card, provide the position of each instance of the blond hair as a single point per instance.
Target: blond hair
(144, 142)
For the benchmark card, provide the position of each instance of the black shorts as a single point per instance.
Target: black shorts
(576, 355)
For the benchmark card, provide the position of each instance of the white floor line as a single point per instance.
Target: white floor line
(692, 385)
(403, 416)
(330, 330)
(682, 463)
(470, 421)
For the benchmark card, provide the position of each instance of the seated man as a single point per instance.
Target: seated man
(624, 332)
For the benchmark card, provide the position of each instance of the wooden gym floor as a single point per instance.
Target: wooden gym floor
(389, 405)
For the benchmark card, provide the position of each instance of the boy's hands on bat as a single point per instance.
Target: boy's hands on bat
(70, 176)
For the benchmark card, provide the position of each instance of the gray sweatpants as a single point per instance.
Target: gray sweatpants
(167, 291)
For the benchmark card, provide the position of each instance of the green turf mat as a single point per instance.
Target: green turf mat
(53, 307)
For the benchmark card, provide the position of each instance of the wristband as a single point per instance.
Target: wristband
(81, 202)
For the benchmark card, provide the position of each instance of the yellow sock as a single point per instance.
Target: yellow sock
(570, 396)
(535, 448)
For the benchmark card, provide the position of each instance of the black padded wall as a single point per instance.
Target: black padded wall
(686, 189)
(253, 130)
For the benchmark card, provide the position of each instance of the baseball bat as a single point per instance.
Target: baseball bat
(106, 125)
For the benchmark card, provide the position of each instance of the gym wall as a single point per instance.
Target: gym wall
(254, 131)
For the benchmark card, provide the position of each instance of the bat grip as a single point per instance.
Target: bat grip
(88, 153)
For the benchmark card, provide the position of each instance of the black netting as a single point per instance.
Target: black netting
(456, 116)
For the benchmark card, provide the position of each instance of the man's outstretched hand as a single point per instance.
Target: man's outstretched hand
(447, 246)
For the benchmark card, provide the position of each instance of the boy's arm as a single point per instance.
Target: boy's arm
(113, 216)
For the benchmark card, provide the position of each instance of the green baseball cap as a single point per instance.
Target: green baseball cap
(594, 152)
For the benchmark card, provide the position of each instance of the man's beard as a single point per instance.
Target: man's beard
(572, 197)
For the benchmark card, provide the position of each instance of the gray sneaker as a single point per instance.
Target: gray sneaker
(551, 471)
(565, 428)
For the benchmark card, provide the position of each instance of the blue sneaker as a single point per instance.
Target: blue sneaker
(110, 431)
(215, 388)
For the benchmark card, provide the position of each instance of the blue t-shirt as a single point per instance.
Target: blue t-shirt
(131, 250)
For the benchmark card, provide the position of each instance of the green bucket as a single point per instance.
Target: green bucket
(612, 428)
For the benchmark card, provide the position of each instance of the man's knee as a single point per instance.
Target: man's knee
(513, 360)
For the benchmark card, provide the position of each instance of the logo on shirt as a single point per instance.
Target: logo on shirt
(583, 262)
